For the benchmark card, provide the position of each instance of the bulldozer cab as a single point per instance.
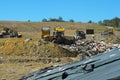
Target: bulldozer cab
(58, 32)
(109, 31)
(45, 32)
(90, 31)
(58, 35)
(79, 35)
(6, 32)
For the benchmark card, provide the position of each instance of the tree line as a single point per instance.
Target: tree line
(59, 19)
(115, 22)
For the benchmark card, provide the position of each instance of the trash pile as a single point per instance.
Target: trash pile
(89, 48)
(23, 50)
(88, 69)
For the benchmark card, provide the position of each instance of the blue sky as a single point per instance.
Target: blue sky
(78, 10)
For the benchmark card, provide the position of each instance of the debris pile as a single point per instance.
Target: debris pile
(27, 50)
(89, 48)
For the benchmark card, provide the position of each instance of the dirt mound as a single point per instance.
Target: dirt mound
(22, 47)
(19, 57)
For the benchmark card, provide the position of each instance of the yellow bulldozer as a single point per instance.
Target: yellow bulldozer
(79, 34)
(109, 31)
(6, 32)
(58, 34)
(45, 33)
(57, 37)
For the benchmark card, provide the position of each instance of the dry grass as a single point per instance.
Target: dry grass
(36, 26)
(18, 57)
(12, 71)
(19, 47)
(33, 29)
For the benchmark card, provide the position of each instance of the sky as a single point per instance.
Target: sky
(78, 10)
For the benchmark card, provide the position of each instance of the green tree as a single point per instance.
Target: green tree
(60, 19)
(115, 21)
(100, 22)
(89, 21)
(106, 22)
(29, 20)
(53, 20)
(44, 20)
(71, 20)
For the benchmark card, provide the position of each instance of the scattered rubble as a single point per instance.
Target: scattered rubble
(43, 51)
(89, 48)
(28, 51)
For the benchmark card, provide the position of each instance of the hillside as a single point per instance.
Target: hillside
(35, 26)
(32, 29)
(20, 56)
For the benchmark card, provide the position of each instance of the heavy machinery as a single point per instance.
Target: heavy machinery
(90, 33)
(6, 32)
(79, 35)
(45, 33)
(109, 31)
(58, 32)
(58, 35)
(60, 38)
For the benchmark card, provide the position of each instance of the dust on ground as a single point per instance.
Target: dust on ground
(19, 57)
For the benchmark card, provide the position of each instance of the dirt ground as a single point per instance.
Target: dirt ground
(13, 71)
(19, 57)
